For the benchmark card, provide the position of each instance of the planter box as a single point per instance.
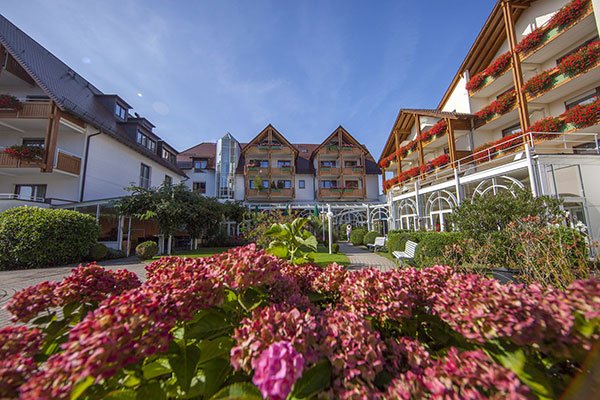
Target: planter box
(333, 148)
(275, 190)
(348, 190)
(286, 168)
(253, 168)
(357, 169)
(260, 147)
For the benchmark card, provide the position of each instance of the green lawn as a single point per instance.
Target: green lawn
(200, 252)
(322, 257)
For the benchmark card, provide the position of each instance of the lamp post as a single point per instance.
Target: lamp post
(329, 223)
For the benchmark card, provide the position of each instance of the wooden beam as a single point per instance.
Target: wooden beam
(398, 166)
(516, 64)
(419, 143)
(51, 138)
(451, 141)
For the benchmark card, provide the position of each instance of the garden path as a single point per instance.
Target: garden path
(361, 258)
(14, 281)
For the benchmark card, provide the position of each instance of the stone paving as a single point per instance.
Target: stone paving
(14, 281)
(361, 258)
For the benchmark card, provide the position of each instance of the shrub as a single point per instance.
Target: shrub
(357, 236)
(146, 250)
(98, 252)
(335, 248)
(432, 247)
(235, 317)
(32, 237)
(112, 254)
(369, 237)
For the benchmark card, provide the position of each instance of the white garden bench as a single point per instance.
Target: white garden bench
(379, 243)
(408, 253)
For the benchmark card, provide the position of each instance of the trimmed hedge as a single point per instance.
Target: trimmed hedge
(432, 245)
(146, 250)
(397, 240)
(370, 237)
(335, 248)
(98, 252)
(357, 236)
(32, 237)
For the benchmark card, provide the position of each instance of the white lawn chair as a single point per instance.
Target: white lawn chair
(408, 253)
(379, 243)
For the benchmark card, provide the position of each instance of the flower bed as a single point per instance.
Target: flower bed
(539, 83)
(25, 153)
(580, 60)
(498, 107)
(10, 102)
(252, 326)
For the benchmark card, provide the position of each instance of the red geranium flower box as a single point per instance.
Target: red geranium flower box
(539, 83)
(500, 65)
(580, 60)
(11, 102)
(567, 14)
(583, 115)
(531, 41)
(25, 153)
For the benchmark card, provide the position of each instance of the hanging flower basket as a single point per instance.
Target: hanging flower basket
(25, 153)
(10, 102)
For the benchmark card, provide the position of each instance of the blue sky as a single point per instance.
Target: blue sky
(204, 68)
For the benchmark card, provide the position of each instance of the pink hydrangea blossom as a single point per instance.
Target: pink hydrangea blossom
(18, 345)
(276, 370)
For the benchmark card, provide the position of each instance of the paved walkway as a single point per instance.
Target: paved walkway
(14, 281)
(361, 258)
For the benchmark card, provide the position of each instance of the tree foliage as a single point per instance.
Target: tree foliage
(292, 242)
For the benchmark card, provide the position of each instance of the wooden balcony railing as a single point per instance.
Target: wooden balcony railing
(68, 163)
(352, 171)
(30, 109)
(282, 170)
(352, 192)
(330, 171)
(256, 193)
(355, 151)
(6, 161)
(282, 193)
(330, 192)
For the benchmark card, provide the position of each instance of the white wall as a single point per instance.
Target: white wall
(459, 98)
(308, 193)
(239, 187)
(207, 176)
(372, 182)
(111, 166)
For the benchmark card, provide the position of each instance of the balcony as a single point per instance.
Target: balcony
(352, 171)
(351, 150)
(275, 150)
(6, 161)
(30, 109)
(329, 171)
(284, 193)
(330, 193)
(283, 171)
(63, 162)
(352, 193)
(257, 193)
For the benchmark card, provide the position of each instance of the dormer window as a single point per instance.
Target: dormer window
(120, 111)
(200, 164)
(167, 155)
(145, 141)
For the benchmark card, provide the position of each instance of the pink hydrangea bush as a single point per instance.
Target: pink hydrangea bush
(248, 321)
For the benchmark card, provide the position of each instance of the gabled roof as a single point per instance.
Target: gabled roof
(489, 40)
(344, 133)
(265, 131)
(206, 150)
(69, 90)
(407, 118)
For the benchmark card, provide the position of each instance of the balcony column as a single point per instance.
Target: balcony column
(516, 64)
(451, 141)
(398, 166)
(421, 160)
(51, 138)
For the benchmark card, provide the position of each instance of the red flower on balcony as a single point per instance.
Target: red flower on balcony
(441, 161)
(25, 153)
(500, 65)
(531, 41)
(539, 83)
(567, 14)
(412, 145)
(476, 81)
(413, 172)
(10, 102)
(580, 60)
(437, 130)
(543, 128)
(497, 107)
(425, 168)
(583, 115)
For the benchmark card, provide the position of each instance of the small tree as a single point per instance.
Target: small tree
(258, 185)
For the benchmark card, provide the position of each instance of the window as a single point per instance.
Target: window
(446, 150)
(283, 163)
(251, 184)
(31, 192)
(328, 164)
(581, 100)
(304, 151)
(328, 184)
(511, 130)
(167, 155)
(200, 164)
(33, 142)
(145, 141)
(301, 184)
(37, 97)
(145, 176)
(263, 163)
(120, 111)
(265, 184)
(199, 187)
(168, 180)
(284, 184)
(350, 163)
(352, 184)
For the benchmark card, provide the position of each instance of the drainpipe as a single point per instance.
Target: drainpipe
(85, 160)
